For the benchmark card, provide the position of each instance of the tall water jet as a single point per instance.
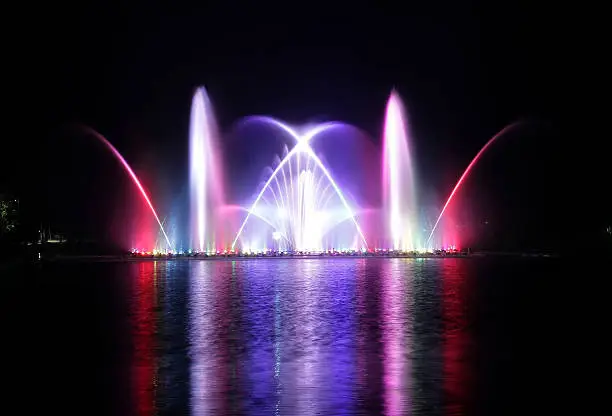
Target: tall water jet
(205, 175)
(398, 181)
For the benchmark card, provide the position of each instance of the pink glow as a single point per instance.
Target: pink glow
(207, 190)
(145, 370)
(455, 338)
(468, 169)
(129, 170)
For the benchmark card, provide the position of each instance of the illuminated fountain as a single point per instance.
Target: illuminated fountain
(208, 228)
(128, 169)
(300, 206)
(398, 182)
(448, 236)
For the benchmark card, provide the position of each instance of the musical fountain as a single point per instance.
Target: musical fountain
(300, 205)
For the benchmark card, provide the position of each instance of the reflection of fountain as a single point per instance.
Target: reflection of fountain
(145, 365)
(307, 374)
(262, 358)
(455, 337)
(394, 317)
(208, 312)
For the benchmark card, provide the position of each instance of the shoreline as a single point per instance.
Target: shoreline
(130, 258)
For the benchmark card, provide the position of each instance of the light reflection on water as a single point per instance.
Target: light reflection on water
(396, 339)
(300, 337)
(289, 337)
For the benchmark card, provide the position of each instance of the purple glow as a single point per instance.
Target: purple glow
(298, 208)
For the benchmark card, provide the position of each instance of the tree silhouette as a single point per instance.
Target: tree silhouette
(8, 216)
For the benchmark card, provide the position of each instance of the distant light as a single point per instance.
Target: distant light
(276, 235)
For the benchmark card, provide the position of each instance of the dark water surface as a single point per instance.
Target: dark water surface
(285, 337)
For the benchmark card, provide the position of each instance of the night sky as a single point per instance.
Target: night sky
(130, 71)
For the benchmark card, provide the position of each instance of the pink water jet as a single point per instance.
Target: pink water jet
(206, 178)
(470, 166)
(128, 169)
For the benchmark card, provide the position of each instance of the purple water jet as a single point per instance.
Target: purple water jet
(300, 200)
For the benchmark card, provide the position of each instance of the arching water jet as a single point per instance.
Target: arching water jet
(467, 170)
(298, 195)
(128, 169)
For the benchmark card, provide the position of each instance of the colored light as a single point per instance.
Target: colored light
(300, 202)
(206, 179)
(129, 170)
(398, 184)
(472, 163)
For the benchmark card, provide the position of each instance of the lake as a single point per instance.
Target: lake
(285, 336)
